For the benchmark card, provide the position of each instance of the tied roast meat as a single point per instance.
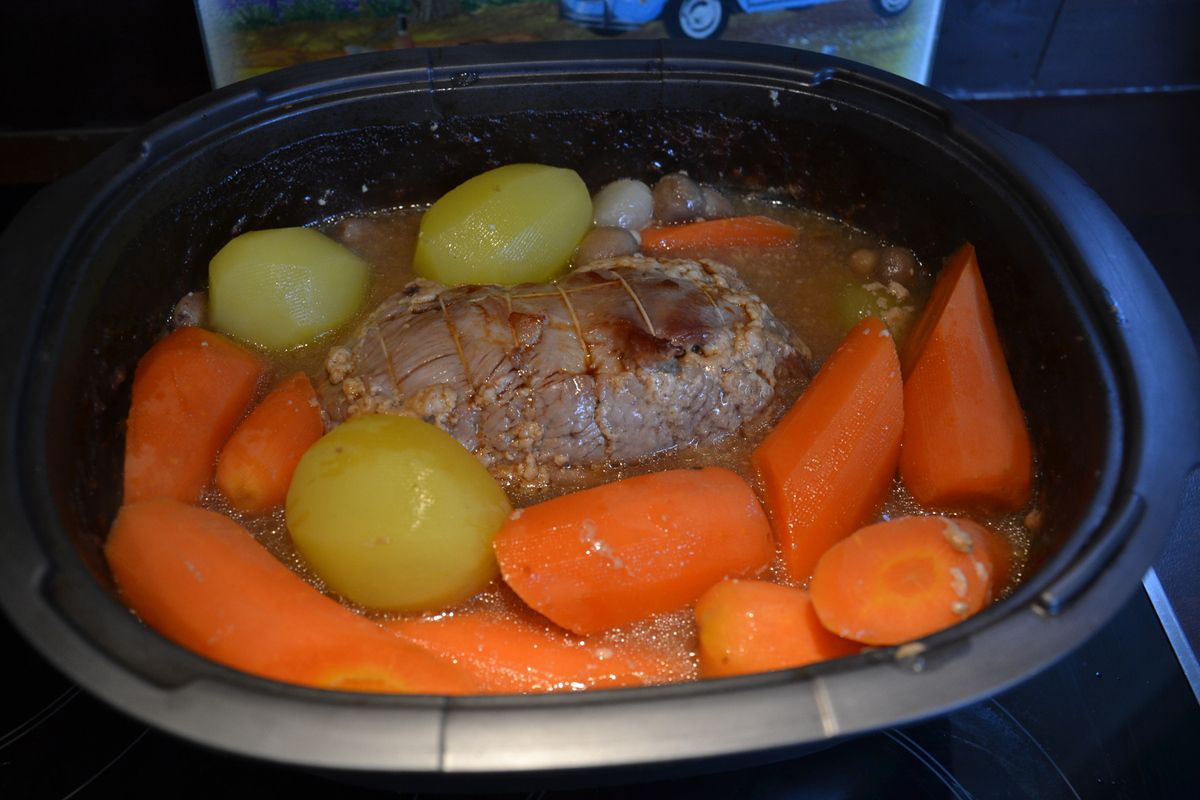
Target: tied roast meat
(614, 362)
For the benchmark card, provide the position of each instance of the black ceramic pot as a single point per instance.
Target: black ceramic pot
(1100, 358)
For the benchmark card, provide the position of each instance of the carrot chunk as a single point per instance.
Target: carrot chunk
(829, 462)
(751, 231)
(256, 464)
(201, 580)
(966, 445)
(189, 391)
(616, 553)
(895, 581)
(756, 626)
(509, 654)
(1000, 553)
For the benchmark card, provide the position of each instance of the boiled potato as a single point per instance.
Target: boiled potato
(284, 287)
(394, 514)
(514, 224)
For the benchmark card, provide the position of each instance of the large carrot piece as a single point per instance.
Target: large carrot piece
(965, 441)
(508, 654)
(756, 626)
(610, 555)
(189, 391)
(256, 464)
(899, 580)
(752, 231)
(200, 579)
(829, 462)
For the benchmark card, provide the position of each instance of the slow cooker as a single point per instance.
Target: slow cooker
(1100, 358)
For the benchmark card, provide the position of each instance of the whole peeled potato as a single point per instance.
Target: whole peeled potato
(394, 514)
(284, 287)
(514, 224)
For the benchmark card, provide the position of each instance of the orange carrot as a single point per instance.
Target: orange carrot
(189, 391)
(1000, 552)
(756, 626)
(509, 654)
(965, 441)
(895, 581)
(256, 464)
(616, 553)
(200, 579)
(751, 231)
(829, 462)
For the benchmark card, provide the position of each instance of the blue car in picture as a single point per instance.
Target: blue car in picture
(688, 19)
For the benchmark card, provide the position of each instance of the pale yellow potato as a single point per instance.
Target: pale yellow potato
(284, 287)
(514, 224)
(394, 514)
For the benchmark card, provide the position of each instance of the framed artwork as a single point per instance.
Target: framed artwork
(247, 37)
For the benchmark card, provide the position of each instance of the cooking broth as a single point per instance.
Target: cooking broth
(805, 284)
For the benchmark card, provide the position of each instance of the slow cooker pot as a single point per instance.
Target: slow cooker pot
(1100, 358)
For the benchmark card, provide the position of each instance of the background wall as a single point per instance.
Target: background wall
(1006, 48)
(79, 63)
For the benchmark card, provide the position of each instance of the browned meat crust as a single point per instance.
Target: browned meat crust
(614, 362)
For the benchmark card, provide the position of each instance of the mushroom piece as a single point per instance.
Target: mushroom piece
(606, 242)
(191, 311)
(863, 261)
(677, 198)
(897, 264)
(716, 205)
